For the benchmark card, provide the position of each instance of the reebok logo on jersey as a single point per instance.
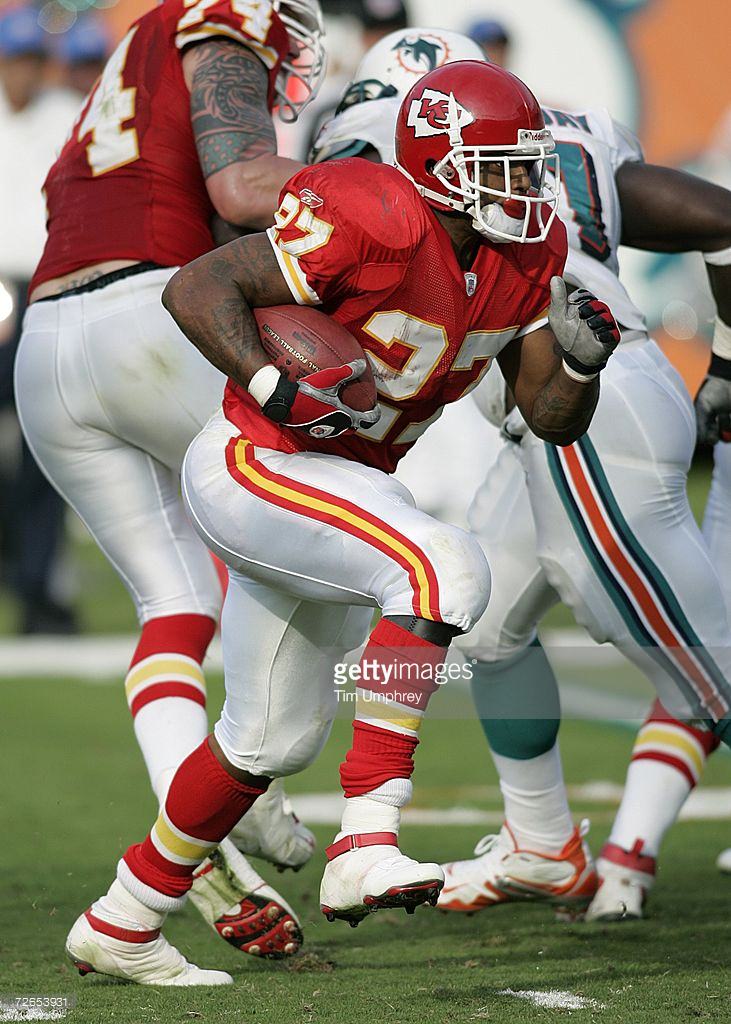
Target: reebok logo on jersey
(308, 198)
(437, 113)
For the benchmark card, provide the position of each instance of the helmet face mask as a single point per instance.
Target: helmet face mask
(466, 170)
(462, 134)
(304, 68)
(364, 90)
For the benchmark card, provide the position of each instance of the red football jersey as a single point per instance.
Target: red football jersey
(128, 184)
(356, 238)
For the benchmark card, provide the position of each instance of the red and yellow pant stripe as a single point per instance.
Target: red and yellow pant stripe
(315, 504)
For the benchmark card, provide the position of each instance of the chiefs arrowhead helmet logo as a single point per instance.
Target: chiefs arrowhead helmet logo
(430, 114)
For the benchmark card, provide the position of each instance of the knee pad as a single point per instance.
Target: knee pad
(464, 576)
(275, 749)
(518, 703)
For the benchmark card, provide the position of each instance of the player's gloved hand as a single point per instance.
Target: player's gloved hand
(313, 403)
(584, 328)
(713, 403)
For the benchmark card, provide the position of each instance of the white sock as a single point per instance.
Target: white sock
(167, 730)
(121, 908)
(377, 811)
(653, 795)
(536, 805)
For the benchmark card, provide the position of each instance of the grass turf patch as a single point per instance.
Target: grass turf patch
(75, 794)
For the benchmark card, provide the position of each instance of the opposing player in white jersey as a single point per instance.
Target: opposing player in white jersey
(713, 415)
(177, 132)
(364, 126)
(669, 753)
(605, 526)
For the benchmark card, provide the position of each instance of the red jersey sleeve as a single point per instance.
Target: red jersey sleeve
(344, 229)
(253, 23)
(539, 263)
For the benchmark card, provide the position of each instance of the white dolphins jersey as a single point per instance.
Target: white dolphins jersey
(592, 146)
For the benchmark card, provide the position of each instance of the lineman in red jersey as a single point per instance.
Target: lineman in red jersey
(178, 129)
(425, 266)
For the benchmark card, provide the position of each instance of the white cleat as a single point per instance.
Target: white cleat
(240, 907)
(625, 879)
(271, 830)
(144, 957)
(723, 861)
(367, 872)
(502, 872)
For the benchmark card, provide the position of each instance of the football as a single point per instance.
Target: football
(300, 340)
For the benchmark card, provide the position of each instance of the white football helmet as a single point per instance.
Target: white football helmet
(301, 74)
(398, 61)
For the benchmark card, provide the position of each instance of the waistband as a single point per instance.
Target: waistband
(104, 280)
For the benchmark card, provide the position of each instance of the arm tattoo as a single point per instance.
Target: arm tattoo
(563, 409)
(229, 106)
(211, 300)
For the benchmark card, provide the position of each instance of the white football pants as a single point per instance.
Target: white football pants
(717, 518)
(315, 543)
(110, 394)
(605, 526)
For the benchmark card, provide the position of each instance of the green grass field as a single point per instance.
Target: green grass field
(75, 794)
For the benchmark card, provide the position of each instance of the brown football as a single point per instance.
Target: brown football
(300, 340)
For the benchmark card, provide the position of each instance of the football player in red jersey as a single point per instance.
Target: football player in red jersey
(430, 265)
(110, 393)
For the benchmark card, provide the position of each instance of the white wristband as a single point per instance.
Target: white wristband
(722, 258)
(264, 383)
(721, 339)
(582, 378)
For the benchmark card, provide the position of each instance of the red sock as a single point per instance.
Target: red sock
(203, 805)
(398, 676)
(167, 660)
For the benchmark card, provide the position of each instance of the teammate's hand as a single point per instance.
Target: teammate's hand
(313, 403)
(584, 328)
(713, 403)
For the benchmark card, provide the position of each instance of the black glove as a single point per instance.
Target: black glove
(713, 403)
(313, 403)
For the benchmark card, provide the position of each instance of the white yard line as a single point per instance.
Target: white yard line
(712, 803)
(554, 999)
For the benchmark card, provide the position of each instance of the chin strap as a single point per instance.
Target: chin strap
(494, 219)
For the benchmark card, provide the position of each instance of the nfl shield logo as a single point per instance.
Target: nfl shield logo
(470, 281)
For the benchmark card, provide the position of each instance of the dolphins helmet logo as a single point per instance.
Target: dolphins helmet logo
(419, 54)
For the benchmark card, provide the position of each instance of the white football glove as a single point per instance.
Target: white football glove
(584, 328)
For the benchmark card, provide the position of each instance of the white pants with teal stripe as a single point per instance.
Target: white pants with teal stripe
(604, 525)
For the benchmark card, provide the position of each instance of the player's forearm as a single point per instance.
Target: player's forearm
(562, 410)
(211, 310)
(246, 194)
